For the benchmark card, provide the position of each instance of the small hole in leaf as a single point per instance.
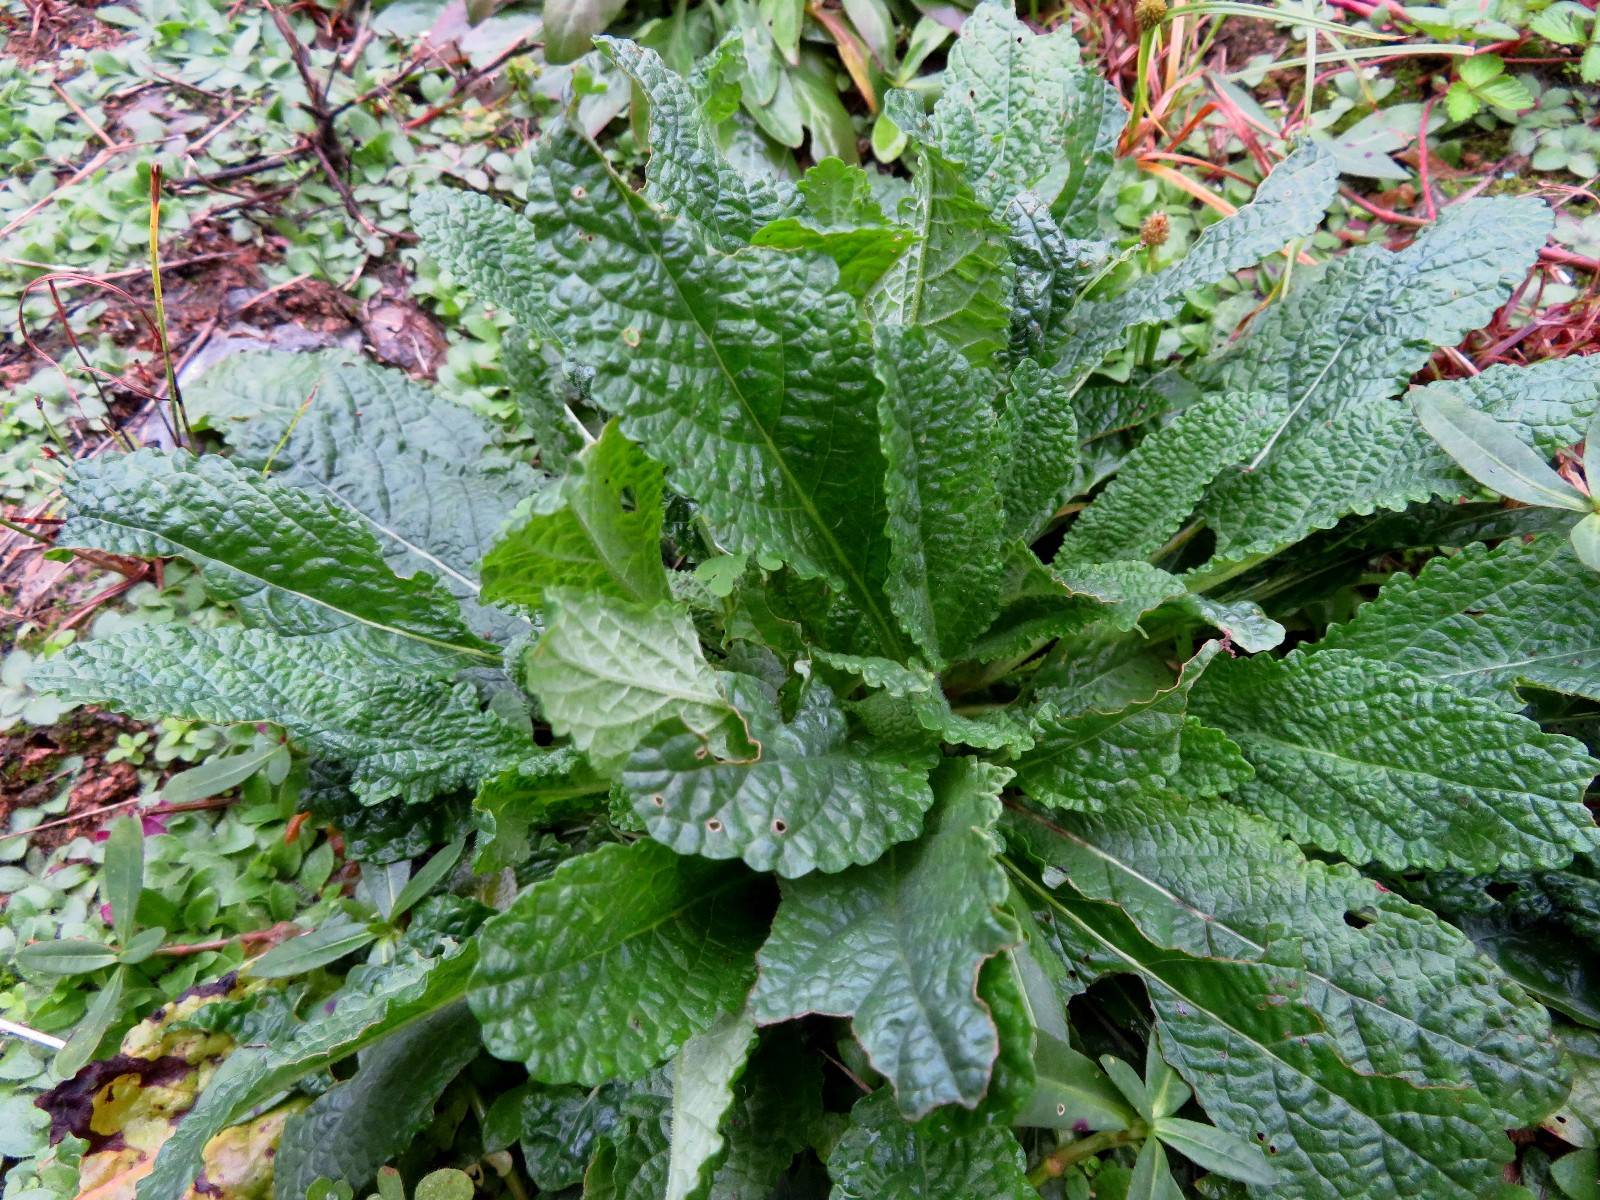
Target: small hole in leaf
(579, 192)
(701, 752)
(1272, 1149)
(780, 826)
(628, 501)
(632, 337)
(1061, 1110)
(658, 800)
(1260, 1137)
(714, 825)
(1357, 920)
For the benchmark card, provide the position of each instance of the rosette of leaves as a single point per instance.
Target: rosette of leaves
(882, 715)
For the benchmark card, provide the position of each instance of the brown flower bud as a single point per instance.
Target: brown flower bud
(1147, 14)
(1154, 229)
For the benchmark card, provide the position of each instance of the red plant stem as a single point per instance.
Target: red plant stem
(1422, 160)
(1383, 214)
(1555, 254)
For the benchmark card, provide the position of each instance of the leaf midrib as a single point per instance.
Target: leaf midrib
(190, 552)
(842, 561)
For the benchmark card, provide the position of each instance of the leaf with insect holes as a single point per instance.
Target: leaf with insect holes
(816, 799)
(597, 530)
(607, 671)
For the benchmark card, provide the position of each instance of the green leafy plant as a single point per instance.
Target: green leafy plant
(870, 713)
(1481, 82)
(1493, 454)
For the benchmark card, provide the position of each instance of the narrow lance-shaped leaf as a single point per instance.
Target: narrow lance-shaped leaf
(898, 945)
(358, 1125)
(419, 472)
(703, 1078)
(746, 375)
(614, 961)
(400, 736)
(1039, 456)
(815, 799)
(1376, 762)
(941, 443)
(1288, 205)
(289, 561)
(1494, 456)
(1160, 483)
